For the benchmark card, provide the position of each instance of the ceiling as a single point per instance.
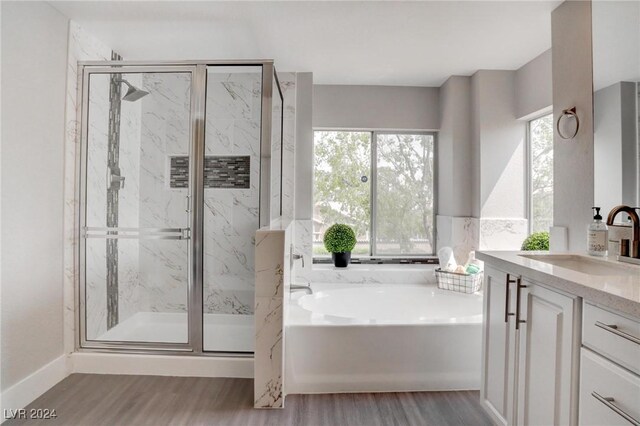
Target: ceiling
(341, 42)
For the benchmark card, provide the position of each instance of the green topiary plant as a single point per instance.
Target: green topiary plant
(538, 241)
(339, 238)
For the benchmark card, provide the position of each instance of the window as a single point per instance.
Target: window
(379, 183)
(541, 173)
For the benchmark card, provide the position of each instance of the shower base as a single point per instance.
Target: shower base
(222, 332)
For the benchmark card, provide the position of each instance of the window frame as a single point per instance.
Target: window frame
(374, 258)
(529, 168)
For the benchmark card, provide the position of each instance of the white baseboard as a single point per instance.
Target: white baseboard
(31, 387)
(161, 365)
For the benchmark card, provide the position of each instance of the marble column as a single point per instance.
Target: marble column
(272, 277)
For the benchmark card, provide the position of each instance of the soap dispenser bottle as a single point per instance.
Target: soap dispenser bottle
(598, 235)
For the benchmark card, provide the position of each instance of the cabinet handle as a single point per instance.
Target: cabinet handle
(612, 328)
(609, 402)
(518, 320)
(507, 314)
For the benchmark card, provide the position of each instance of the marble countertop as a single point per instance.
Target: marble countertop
(617, 292)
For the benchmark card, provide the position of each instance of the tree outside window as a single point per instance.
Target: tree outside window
(541, 166)
(382, 185)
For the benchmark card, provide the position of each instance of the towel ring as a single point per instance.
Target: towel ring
(571, 113)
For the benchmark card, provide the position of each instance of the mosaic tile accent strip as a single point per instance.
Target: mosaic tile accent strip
(228, 172)
(179, 172)
(113, 162)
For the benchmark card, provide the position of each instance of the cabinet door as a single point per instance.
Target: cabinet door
(498, 346)
(547, 357)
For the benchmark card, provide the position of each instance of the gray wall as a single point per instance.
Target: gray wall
(533, 86)
(454, 148)
(34, 49)
(615, 145)
(375, 107)
(498, 147)
(304, 146)
(573, 86)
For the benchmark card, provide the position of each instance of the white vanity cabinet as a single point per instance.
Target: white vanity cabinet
(498, 346)
(548, 348)
(610, 368)
(530, 351)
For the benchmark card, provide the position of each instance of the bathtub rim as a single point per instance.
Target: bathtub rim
(297, 316)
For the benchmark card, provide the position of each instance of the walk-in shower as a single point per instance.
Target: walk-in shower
(173, 184)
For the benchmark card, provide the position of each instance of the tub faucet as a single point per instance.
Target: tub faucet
(295, 256)
(634, 251)
(306, 288)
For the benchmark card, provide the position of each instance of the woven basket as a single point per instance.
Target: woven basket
(462, 283)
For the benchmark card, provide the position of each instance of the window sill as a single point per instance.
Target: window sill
(381, 261)
(375, 267)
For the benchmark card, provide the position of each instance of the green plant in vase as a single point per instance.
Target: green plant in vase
(538, 241)
(339, 240)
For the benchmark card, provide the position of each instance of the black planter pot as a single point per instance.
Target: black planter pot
(341, 260)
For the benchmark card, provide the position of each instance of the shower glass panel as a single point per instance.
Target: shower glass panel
(135, 218)
(276, 150)
(231, 205)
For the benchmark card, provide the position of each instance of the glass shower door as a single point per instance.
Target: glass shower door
(135, 220)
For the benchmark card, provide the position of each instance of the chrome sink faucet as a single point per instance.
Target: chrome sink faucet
(634, 249)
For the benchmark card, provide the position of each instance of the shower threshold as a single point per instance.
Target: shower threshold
(221, 332)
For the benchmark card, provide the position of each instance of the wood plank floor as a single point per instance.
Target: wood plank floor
(91, 399)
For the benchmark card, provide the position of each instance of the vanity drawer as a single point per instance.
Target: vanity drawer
(612, 335)
(609, 394)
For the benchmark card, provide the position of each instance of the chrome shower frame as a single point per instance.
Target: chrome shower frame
(194, 232)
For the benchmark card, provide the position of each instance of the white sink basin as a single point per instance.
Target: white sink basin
(584, 264)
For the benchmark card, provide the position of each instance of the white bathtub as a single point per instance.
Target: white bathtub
(381, 338)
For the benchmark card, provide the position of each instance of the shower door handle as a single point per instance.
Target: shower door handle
(138, 233)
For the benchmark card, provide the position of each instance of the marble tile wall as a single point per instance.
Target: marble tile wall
(234, 101)
(288, 86)
(502, 233)
(165, 132)
(465, 234)
(459, 233)
(303, 245)
(272, 278)
(130, 295)
(276, 155)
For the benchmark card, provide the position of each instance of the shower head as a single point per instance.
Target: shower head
(133, 93)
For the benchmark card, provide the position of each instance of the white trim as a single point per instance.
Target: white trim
(161, 365)
(372, 129)
(31, 387)
(538, 114)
